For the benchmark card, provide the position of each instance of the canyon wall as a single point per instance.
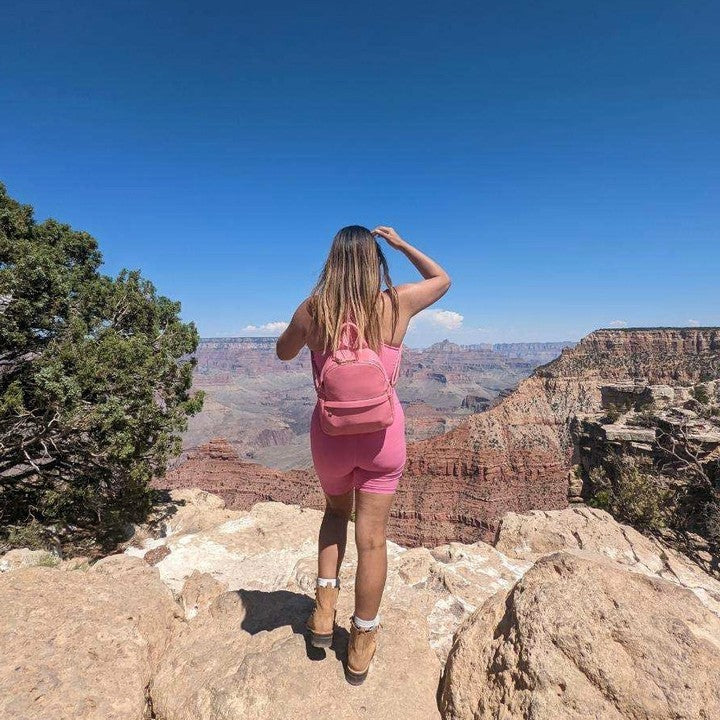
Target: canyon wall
(262, 405)
(216, 467)
(516, 456)
(537, 353)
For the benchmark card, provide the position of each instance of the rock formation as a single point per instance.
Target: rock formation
(579, 638)
(263, 405)
(537, 353)
(82, 641)
(217, 468)
(201, 618)
(517, 456)
(672, 356)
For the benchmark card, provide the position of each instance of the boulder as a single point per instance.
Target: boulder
(247, 657)
(661, 395)
(578, 638)
(627, 433)
(108, 641)
(198, 593)
(595, 533)
(24, 557)
(82, 644)
(274, 547)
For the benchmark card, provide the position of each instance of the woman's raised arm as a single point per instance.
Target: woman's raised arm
(415, 297)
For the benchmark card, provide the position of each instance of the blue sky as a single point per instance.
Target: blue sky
(561, 159)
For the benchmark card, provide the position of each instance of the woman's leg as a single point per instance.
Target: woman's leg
(371, 516)
(333, 534)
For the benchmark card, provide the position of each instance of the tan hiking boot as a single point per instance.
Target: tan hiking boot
(361, 650)
(321, 622)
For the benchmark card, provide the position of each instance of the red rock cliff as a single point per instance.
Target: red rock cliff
(517, 456)
(514, 457)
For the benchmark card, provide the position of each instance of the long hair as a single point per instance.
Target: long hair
(348, 288)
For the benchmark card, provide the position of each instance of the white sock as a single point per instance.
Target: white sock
(328, 582)
(366, 624)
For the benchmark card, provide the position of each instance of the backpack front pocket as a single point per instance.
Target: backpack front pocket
(348, 417)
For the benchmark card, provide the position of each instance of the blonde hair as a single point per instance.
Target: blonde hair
(348, 288)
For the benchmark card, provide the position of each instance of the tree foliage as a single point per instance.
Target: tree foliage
(94, 385)
(631, 491)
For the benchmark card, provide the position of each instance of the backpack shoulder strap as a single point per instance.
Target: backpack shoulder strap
(350, 335)
(315, 372)
(396, 369)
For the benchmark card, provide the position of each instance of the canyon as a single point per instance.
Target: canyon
(519, 455)
(262, 406)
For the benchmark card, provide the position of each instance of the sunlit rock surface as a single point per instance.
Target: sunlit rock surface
(203, 615)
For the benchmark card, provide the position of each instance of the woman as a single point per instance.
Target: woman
(363, 469)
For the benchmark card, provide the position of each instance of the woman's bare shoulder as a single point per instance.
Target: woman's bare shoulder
(305, 310)
(401, 293)
(400, 290)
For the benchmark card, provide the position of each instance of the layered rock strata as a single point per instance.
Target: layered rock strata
(517, 456)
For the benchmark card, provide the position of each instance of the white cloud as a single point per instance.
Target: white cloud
(271, 328)
(443, 319)
(693, 323)
(618, 324)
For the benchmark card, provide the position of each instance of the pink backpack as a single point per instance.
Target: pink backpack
(354, 392)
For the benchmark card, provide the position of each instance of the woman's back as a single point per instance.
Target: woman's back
(392, 334)
(350, 278)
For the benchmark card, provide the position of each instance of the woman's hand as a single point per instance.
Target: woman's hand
(393, 239)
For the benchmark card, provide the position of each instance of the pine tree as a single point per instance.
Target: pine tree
(95, 379)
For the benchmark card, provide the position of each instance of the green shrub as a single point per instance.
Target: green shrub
(30, 535)
(600, 500)
(612, 413)
(48, 561)
(631, 491)
(644, 418)
(94, 391)
(701, 394)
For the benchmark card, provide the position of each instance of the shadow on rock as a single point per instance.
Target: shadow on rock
(279, 608)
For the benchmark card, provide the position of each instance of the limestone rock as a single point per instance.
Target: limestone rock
(575, 486)
(579, 638)
(594, 533)
(78, 562)
(274, 547)
(247, 657)
(82, 645)
(626, 433)
(154, 556)
(198, 593)
(107, 641)
(24, 557)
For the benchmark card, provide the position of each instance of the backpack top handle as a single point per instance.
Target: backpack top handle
(350, 339)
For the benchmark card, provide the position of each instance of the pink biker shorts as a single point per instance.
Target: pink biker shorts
(372, 462)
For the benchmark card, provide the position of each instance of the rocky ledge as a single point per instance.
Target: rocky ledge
(568, 615)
